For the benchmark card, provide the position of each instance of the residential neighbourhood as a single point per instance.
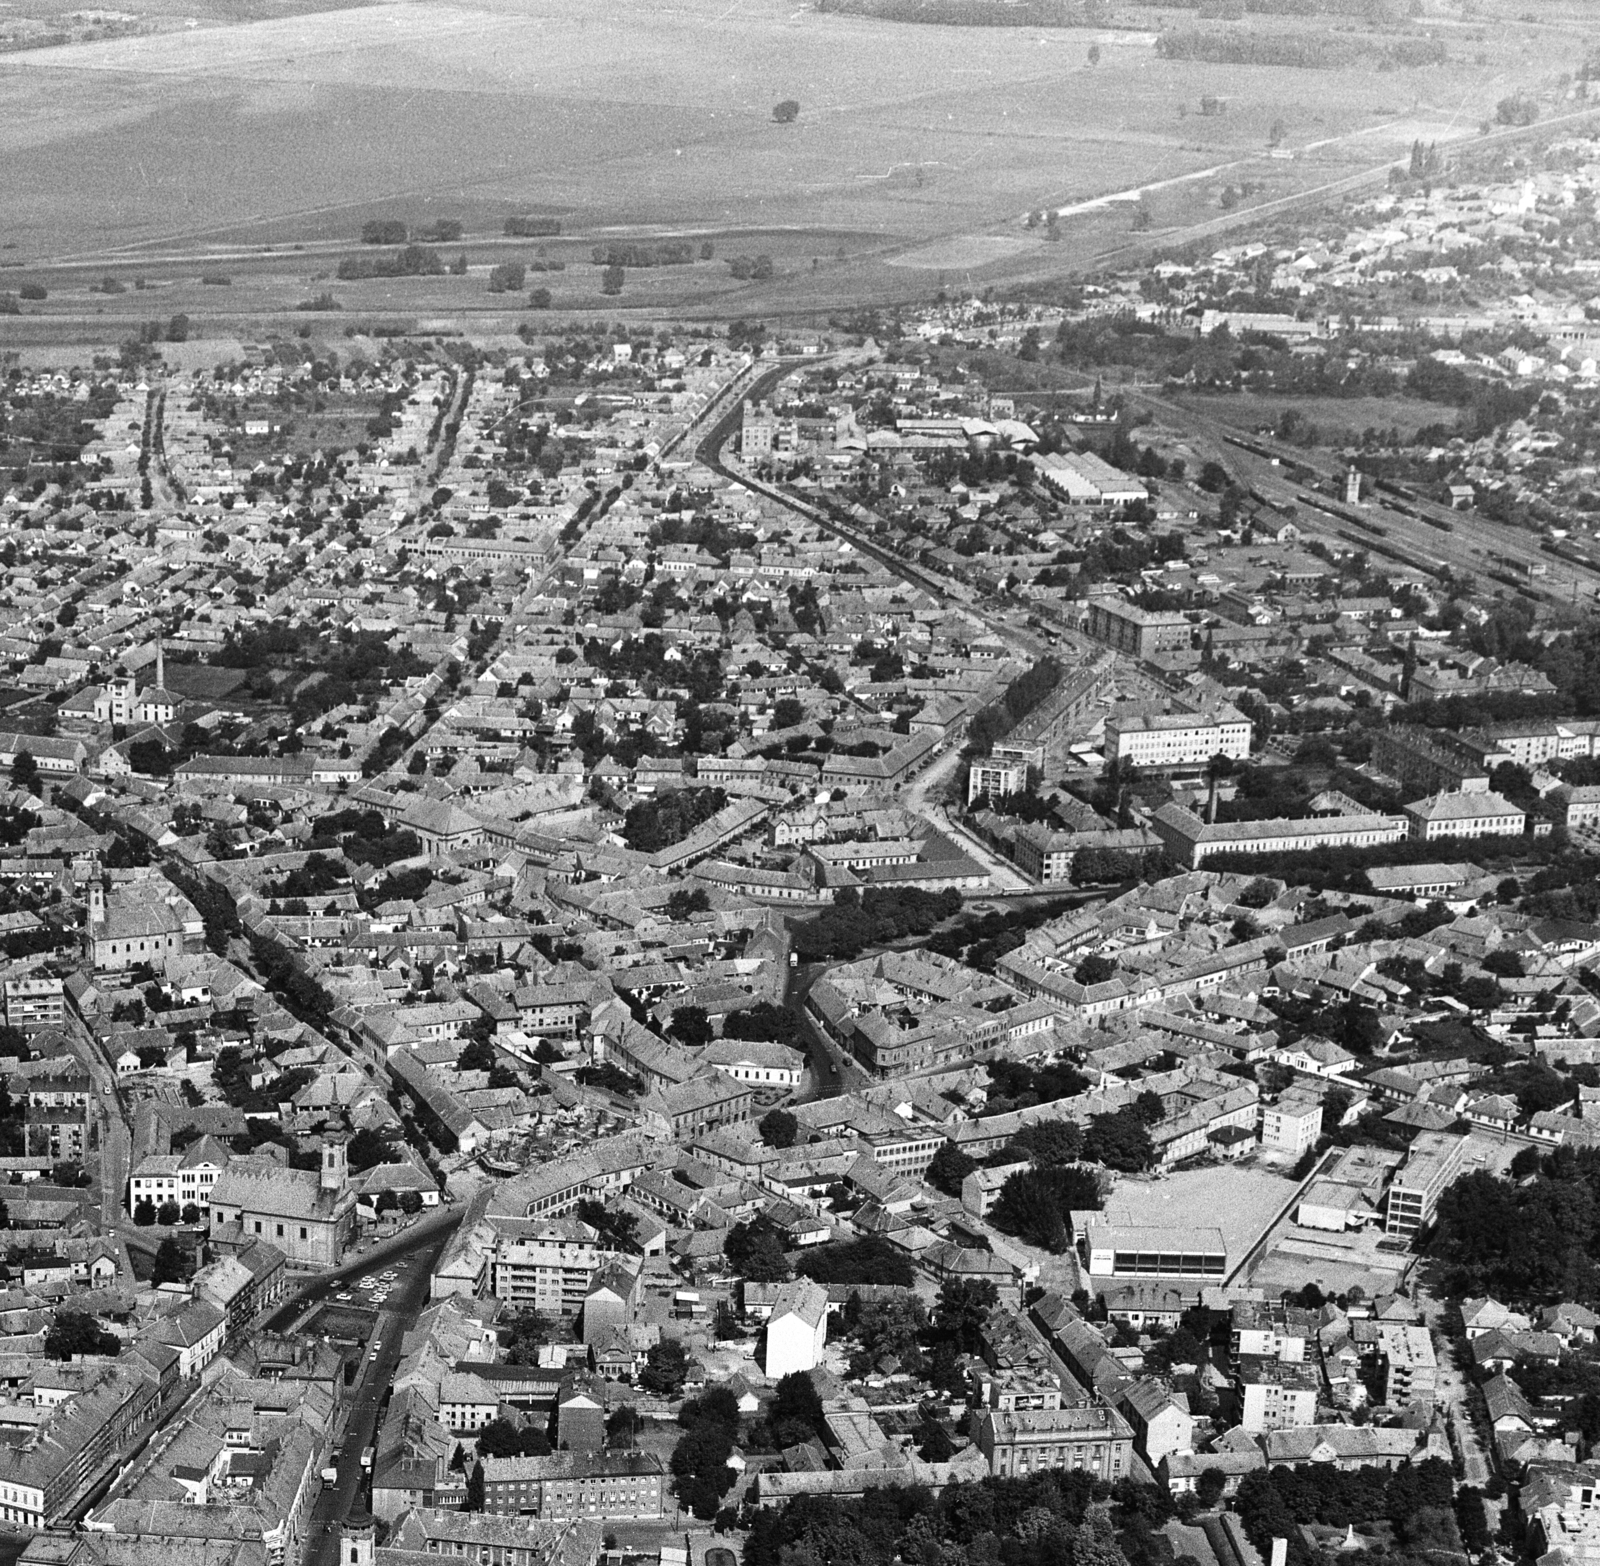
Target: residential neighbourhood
(654, 943)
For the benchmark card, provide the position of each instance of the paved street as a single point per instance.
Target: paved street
(351, 1492)
(116, 1140)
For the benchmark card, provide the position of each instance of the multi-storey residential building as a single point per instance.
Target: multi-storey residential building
(59, 1085)
(548, 1266)
(1579, 804)
(1160, 1419)
(996, 776)
(613, 1296)
(685, 1109)
(797, 1328)
(1275, 1394)
(243, 1285)
(760, 431)
(565, 1485)
(1404, 1357)
(1139, 632)
(1431, 759)
(1162, 742)
(1090, 1438)
(1047, 856)
(480, 1536)
(34, 1002)
(1267, 1329)
(1433, 1161)
(1535, 742)
(40, 1474)
(1293, 1123)
(1562, 1504)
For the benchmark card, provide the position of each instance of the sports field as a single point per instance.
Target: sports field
(256, 123)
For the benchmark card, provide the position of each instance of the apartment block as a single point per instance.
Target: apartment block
(34, 1002)
(1138, 632)
(548, 1268)
(1275, 1394)
(1293, 1123)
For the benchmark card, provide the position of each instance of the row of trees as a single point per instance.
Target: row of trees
(408, 261)
(393, 231)
(1022, 695)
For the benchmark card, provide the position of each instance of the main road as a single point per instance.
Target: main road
(380, 1358)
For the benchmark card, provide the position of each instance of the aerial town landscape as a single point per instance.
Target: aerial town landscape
(698, 898)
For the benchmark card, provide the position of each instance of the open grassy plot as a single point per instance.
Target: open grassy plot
(1337, 419)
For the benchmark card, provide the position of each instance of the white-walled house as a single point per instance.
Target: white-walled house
(797, 1328)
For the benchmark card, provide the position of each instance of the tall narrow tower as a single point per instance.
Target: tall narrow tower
(358, 1542)
(335, 1162)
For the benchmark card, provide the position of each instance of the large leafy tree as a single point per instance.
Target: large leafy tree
(962, 1308)
(948, 1168)
(1035, 1204)
(755, 1251)
(1120, 1140)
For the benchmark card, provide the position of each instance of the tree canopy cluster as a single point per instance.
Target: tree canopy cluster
(869, 1260)
(408, 261)
(875, 917)
(1417, 1500)
(1036, 1204)
(669, 817)
(1016, 1084)
(1530, 1241)
(699, 1462)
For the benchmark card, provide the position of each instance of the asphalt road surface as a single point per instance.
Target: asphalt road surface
(351, 1492)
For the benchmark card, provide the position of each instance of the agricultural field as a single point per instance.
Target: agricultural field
(255, 137)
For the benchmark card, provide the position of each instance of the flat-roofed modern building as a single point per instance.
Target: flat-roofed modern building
(1123, 1251)
(996, 776)
(1293, 1123)
(34, 1002)
(1433, 1161)
(1275, 1394)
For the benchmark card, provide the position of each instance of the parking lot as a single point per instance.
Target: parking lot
(373, 1290)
